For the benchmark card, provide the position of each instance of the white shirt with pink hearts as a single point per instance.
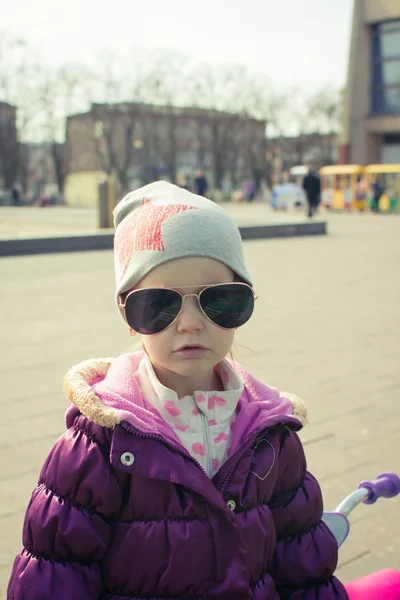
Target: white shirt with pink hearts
(203, 421)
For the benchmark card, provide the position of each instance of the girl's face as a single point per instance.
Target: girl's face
(185, 371)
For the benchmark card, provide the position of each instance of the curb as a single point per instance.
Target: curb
(104, 241)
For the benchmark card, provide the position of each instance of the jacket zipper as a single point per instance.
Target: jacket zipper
(152, 436)
(207, 443)
(181, 451)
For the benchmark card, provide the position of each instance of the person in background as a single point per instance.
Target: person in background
(348, 195)
(249, 190)
(377, 190)
(200, 183)
(312, 188)
(15, 195)
(393, 196)
(361, 191)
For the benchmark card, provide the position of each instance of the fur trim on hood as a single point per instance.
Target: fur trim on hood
(106, 391)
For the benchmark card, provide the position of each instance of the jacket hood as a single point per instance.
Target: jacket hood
(107, 391)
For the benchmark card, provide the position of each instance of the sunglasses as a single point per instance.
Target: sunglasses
(152, 310)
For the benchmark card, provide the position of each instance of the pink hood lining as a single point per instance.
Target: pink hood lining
(106, 392)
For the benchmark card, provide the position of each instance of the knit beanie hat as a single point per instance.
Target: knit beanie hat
(161, 222)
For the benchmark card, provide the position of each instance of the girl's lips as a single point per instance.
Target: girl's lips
(190, 346)
(191, 351)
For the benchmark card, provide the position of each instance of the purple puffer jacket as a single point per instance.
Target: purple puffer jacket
(122, 511)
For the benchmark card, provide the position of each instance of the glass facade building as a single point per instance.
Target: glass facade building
(371, 112)
(386, 67)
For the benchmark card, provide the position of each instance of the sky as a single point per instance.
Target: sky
(296, 43)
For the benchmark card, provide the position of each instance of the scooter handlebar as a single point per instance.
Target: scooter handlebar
(386, 485)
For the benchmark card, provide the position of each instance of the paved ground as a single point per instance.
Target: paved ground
(327, 326)
(18, 222)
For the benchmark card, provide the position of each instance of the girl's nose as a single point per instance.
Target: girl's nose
(191, 318)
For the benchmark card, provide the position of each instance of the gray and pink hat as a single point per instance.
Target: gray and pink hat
(161, 222)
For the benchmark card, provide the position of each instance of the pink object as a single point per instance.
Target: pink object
(173, 410)
(382, 585)
(182, 427)
(214, 401)
(142, 230)
(199, 449)
(118, 391)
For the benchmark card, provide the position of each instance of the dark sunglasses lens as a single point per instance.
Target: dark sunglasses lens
(151, 311)
(228, 306)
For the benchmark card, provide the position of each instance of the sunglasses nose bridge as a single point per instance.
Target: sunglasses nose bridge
(197, 304)
(197, 296)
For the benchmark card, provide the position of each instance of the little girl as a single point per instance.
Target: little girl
(180, 475)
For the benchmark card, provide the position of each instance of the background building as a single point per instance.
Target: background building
(139, 143)
(371, 126)
(9, 148)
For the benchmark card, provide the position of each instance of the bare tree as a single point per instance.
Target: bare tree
(164, 82)
(16, 87)
(212, 88)
(59, 92)
(254, 108)
(307, 126)
(237, 108)
(325, 107)
(126, 132)
(326, 110)
(43, 96)
(114, 130)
